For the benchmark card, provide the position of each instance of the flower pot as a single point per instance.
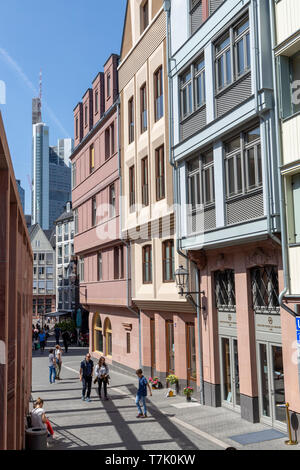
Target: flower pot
(188, 397)
(154, 387)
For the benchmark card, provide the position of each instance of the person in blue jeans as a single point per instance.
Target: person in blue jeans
(142, 393)
(52, 367)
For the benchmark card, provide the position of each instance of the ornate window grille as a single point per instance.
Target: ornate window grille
(225, 290)
(265, 290)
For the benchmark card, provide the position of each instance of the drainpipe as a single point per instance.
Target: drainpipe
(285, 263)
(167, 8)
(128, 245)
(260, 113)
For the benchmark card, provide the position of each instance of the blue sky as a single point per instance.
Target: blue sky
(69, 40)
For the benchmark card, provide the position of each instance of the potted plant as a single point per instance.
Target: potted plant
(155, 382)
(172, 380)
(188, 391)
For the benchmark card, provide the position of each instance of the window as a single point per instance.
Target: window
(112, 201)
(130, 121)
(85, 115)
(108, 91)
(41, 272)
(192, 88)
(118, 262)
(60, 251)
(144, 174)
(225, 290)
(42, 257)
(34, 271)
(112, 139)
(143, 108)
(158, 94)
(170, 347)
(96, 101)
(243, 163)
(265, 289)
(99, 266)
(160, 173)
(92, 158)
(81, 269)
(144, 15)
(168, 261)
(73, 175)
(59, 230)
(289, 82)
(98, 334)
(76, 221)
(108, 337)
(296, 204)
(76, 127)
(66, 250)
(147, 264)
(131, 189)
(128, 343)
(107, 143)
(232, 54)
(94, 211)
(66, 229)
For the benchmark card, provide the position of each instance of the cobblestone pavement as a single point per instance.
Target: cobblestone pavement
(172, 423)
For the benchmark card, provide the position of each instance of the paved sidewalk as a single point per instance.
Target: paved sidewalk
(172, 423)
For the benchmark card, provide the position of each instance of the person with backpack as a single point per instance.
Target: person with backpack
(86, 376)
(142, 393)
(102, 376)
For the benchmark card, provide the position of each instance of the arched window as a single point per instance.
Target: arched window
(98, 334)
(108, 337)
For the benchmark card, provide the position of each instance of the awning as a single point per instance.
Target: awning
(58, 314)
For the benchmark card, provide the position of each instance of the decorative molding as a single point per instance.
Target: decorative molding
(198, 257)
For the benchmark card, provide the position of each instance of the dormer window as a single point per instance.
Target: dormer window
(144, 15)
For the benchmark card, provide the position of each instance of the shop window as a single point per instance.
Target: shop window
(265, 289)
(225, 290)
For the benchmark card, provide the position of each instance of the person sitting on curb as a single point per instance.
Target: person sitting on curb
(39, 419)
(142, 393)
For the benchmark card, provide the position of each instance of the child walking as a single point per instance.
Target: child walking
(142, 393)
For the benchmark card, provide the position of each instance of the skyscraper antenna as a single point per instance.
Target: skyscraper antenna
(40, 94)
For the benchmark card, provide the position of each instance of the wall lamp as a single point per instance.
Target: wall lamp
(182, 282)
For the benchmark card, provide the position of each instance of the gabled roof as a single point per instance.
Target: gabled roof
(127, 31)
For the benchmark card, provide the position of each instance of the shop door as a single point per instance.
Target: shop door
(230, 382)
(271, 384)
(170, 347)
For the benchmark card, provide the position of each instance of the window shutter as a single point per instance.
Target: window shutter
(196, 15)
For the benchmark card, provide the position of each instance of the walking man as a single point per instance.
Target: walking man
(57, 334)
(142, 393)
(86, 376)
(58, 357)
(66, 337)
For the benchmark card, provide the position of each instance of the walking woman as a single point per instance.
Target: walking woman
(102, 375)
(58, 357)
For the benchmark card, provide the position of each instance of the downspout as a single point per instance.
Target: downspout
(128, 245)
(285, 263)
(167, 8)
(266, 127)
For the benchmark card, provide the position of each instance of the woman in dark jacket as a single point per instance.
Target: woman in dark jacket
(102, 374)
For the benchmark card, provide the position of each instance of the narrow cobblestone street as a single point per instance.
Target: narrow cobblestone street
(172, 423)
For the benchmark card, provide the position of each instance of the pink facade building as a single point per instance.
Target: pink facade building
(105, 289)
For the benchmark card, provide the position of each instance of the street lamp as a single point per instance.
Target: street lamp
(182, 282)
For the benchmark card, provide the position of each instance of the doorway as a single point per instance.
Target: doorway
(152, 340)
(271, 384)
(230, 382)
(191, 354)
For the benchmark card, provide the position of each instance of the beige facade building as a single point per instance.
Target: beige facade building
(286, 44)
(147, 215)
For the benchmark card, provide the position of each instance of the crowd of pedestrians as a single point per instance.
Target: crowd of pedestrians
(86, 374)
